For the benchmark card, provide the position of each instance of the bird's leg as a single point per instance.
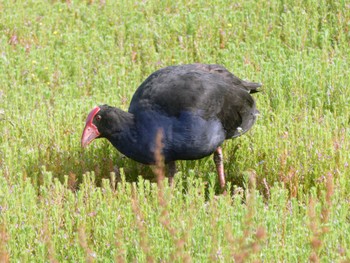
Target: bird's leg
(218, 159)
(171, 172)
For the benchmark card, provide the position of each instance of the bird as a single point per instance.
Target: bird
(196, 107)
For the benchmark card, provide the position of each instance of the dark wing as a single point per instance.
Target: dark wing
(251, 87)
(207, 90)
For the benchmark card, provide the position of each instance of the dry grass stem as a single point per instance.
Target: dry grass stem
(89, 254)
(4, 256)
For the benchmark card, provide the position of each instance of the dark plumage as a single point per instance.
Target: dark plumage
(195, 106)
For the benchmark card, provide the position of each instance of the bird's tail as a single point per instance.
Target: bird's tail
(252, 87)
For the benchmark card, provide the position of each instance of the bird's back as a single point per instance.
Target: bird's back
(208, 91)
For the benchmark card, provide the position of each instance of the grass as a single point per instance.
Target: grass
(289, 176)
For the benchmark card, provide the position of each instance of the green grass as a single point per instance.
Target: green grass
(58, 60)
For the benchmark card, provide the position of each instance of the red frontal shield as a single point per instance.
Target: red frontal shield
(90, 131)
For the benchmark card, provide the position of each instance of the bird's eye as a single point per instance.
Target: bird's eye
(98, 117)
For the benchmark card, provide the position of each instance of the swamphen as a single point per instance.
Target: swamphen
(195, 106)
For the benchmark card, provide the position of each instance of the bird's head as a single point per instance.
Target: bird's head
(101, 122)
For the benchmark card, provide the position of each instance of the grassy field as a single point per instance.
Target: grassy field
(289, 177)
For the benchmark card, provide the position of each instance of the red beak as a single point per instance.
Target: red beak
(90, 131)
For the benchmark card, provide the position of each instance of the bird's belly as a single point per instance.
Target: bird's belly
(191, 137)
(185, 137)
